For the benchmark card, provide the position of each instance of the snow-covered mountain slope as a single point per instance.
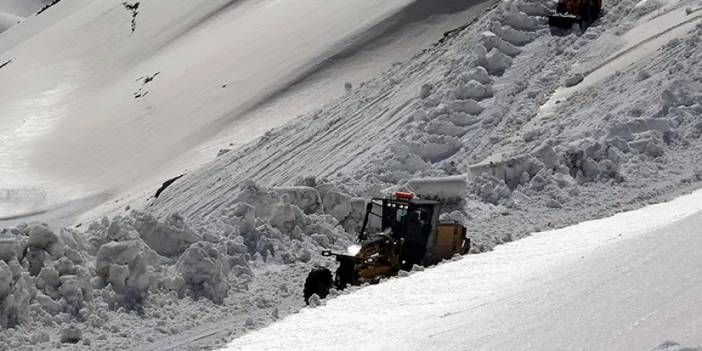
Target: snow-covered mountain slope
(102, 83)
(628, 282)
(489, 104)
(155, 99)
(225, 249)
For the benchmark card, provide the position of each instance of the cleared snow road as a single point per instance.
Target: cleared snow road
(629, 282)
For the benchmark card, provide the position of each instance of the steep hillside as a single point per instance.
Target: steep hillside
(537, 129)
(161, 88)
(492, 106)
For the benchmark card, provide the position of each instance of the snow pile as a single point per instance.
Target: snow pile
(71, 335)
(137, 262)
(306, 198)
(122, 267)
(14, 296)
(204, 271)
(170, 238)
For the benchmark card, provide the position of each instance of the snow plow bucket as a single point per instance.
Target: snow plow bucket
(562, 21)
(449, 189)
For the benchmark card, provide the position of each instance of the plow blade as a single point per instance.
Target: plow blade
(563, 21)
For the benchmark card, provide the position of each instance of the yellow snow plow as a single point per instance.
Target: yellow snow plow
(407, 232)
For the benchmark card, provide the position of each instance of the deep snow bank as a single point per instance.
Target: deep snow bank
(137, 262)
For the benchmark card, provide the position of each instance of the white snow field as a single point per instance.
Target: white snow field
(627, 282)
(102, 102)
(99, 84)
(107, 112)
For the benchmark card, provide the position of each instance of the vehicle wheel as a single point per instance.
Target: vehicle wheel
(585, 14)
(594, 10)
(319, 281)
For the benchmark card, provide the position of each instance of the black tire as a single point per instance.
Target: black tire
(585, 14)
(319, 281)
(591, 12)
(344, 275)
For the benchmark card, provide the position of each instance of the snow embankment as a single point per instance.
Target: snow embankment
(139, 263)
(628, 282)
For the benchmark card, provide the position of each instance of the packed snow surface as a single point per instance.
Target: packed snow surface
(628, 282)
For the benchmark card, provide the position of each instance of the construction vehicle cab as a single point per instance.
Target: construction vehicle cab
(569, 12)
(397, 233)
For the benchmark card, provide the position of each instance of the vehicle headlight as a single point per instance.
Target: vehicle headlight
(353, 250)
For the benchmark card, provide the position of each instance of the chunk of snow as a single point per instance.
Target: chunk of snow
(573, 80)
(44, 238)
(510, 35)
(496, 62)
(71, 334)
(8, 249)
(491, 41)
(473, 90)
(469, 106)
(305, 197)
(124, 265)
(521, 21)
(204, 271)
(337, 204)
(479, 74)
(169, 238)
